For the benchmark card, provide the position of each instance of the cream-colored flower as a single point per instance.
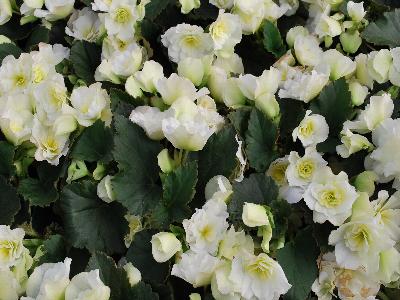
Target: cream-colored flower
(11, 247)
(254, 215)
(84, 25)
(121, 18)
(164, 246)
(352, 143)
(307, 50)
(56, 9)
(251, 14)
(87, 286)
(312, 130)
(188, 5)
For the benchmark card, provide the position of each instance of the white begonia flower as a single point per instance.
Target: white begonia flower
(90, 104)
(251, 14)
(394, 72)
(28, 6)
(150, 119)
(233, 243)
(84, 25)
(232, 96)
(222, 4)
(196, 268)
(277, 170)
(175, 88)
(101, 5)
(356, 284)
(324, 284)
(330, 196)
(352, 143)
(121, 19)
(149, 75)
(247, 84)
(49, 146)
(356, 11)
(191, 125)
(207, 226)
(387, 212)
(362, 74)
(222, 287)
(379, 109)
(378, 65)
(195, 69)
(385, 159)
(164, 245)
(226, 32)
(312, 130)
(20, 270)
(307, 50)
(11, 247)
(303, 86)
(258, 277)
(301, 170)
(16, 118)
(231, 64)
(217, 78)
(358, 244)
(294, 32)
(351, 41)
(358, 92)
(87, 286)
(186, 40)
(5, 11)
(133, 274)
(254, 215)
(49, 281)
(327, 26)
(273, 11)
(340, 65)
(105, 189)
(64, 124)
(56, 9)
(218, 188)
(15, 73)
(188, 5)
(9, 285)
(389, 266)
(50, 54)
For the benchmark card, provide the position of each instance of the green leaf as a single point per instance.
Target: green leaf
(178, 191)
(139, 254)
(90, 222)
(118, 95)
(299, 262)
(39, 35)
(385, 31)
(6, 158)
(388, 3)
(37, 192)
(54, 250)
(334, 103)
(13, 29)
(258, 189)
(155, 8)
(94, 144)
(9, 49)
(272, 39)
(240, 119)
(116, 279)
(9, 202)
(261, 136)
(135, 184)
(85, 58)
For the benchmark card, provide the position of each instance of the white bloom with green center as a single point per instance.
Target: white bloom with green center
(307, 50)
(251, 14)
(258, 277)
(186, 40)
(352, 143)
(15, 73)
(340, 65)
(330, 196)
(379, 63)
(5, 11)
(312, 130)
(49, 281)
(233, 243)
(327, 26)
(226, 32)
(128, 61)
(84, 25)
(387, 212)
(56, 9)
(207, 226)
(11, 247)
(147, 78)
(301, 170)
(87, 286)
(121, 19)
(164, 245)
(196, 268)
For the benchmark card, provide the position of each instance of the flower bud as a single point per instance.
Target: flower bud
(358, 92)
(352, 143)
(194, 296)
(219, 188)
(254, 215)
(105, 190)
(165, 162)
(87, 286)
(194, 69)
(5, 11)
(5, 40)
(267, 104)
(134, 275)
(164, 246)
(350, 41)
(365, 182)
(65, 124)
(294, 32)
(77, 170)
(188, 5)
(99, 172)
(356, 11)
(133, 87)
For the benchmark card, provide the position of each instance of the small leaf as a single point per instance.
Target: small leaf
(39, 35)
(54, 250)
(299, 262)
(240, 119)
(6, 158)
(9, 202)
(385, 31)
(261, 136)
(94, 144)
(90, 222)
(37, 193)
(155, 7)
(117, 95)
(272, 39)
(85, 58)
(9, 49)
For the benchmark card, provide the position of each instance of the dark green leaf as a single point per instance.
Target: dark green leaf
(13, 29)
(299, 262)
(292, 112)
(90, 222)
(385, 31)
(6, 158)
(261, 136)
(272, 39)
(54, 250)
(9, 49)
(240, 119)
(117, 95)
(178, 191)
(85, 58)
(135, 184)
(334, 103)
(94, 144)
(9, 202)
(37, 193)
(155, 8)
(388, 3)
(39, 35)
(116, 279)
(139, 254)
(258, 189)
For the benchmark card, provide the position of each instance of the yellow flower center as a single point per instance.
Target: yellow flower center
(261, 267)
(305, 168)
(51, 144)
(20, 80)
(38, 74)
(122, 15)
(206, 232)
(306, 129)
(331, 198)
(58, 97)
(219, 29)
(191, 41)
(278, 172)
(16, 126)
